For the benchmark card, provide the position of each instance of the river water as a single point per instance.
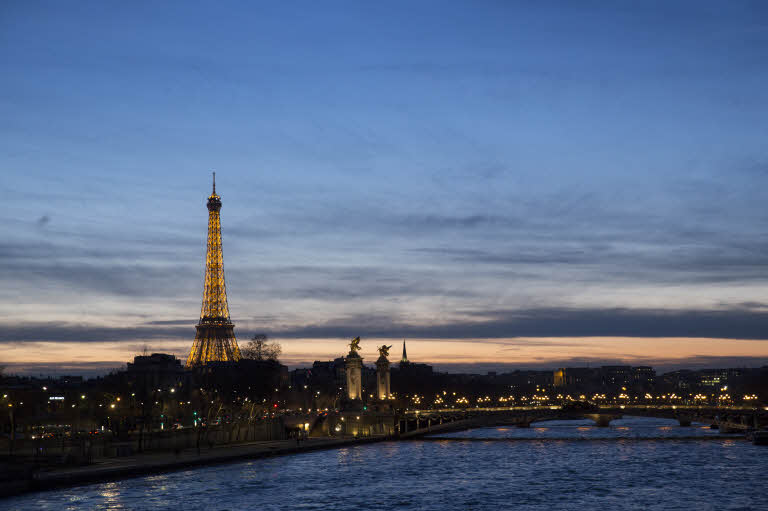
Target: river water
(637, 463)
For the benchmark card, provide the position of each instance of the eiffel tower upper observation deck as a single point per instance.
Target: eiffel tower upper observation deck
(215, 339)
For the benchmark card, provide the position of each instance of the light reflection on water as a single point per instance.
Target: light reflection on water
(630, 427)
(623, 467)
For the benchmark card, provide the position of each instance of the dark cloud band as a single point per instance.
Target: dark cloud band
(738, 323)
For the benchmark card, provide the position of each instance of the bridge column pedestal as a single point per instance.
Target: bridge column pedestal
(601, 420)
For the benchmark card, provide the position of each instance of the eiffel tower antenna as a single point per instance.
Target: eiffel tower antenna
(215, 338)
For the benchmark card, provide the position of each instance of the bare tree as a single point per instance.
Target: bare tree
(259, 348)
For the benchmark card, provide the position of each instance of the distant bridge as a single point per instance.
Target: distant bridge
(414, 423)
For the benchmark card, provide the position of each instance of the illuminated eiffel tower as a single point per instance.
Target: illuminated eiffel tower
(215, 339)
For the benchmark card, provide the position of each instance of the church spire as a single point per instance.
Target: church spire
(405, 356)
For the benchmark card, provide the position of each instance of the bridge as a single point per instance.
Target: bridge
(414, 423)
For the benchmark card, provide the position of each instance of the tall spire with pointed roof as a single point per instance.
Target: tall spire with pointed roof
(215, 339)
(405, 356)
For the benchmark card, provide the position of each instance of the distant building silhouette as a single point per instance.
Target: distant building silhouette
(155, 370)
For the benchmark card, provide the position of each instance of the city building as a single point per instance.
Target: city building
(158, 370)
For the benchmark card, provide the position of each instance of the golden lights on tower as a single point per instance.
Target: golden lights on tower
(215, 339)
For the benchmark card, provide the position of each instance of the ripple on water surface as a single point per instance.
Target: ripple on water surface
(642, 428)
(625, 467)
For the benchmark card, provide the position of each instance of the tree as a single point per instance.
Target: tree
(259, 349)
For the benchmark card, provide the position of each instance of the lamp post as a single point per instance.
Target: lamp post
(13, 430)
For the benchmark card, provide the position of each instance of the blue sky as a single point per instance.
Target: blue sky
(424, 169)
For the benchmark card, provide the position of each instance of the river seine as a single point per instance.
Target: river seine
(637, 463)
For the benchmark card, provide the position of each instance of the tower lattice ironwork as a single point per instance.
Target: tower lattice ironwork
(215, 339)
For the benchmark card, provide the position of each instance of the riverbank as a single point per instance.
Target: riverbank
(111, 469)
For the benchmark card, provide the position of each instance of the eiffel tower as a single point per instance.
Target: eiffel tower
(215, 339)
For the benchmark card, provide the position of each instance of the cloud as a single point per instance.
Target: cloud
(552, 322)
(118, 270)
(609, 261)
(70, 332)
(731, 323)
(434, 221)
(467, 253)
(112, 279)
(171, 322)
(348, 283)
